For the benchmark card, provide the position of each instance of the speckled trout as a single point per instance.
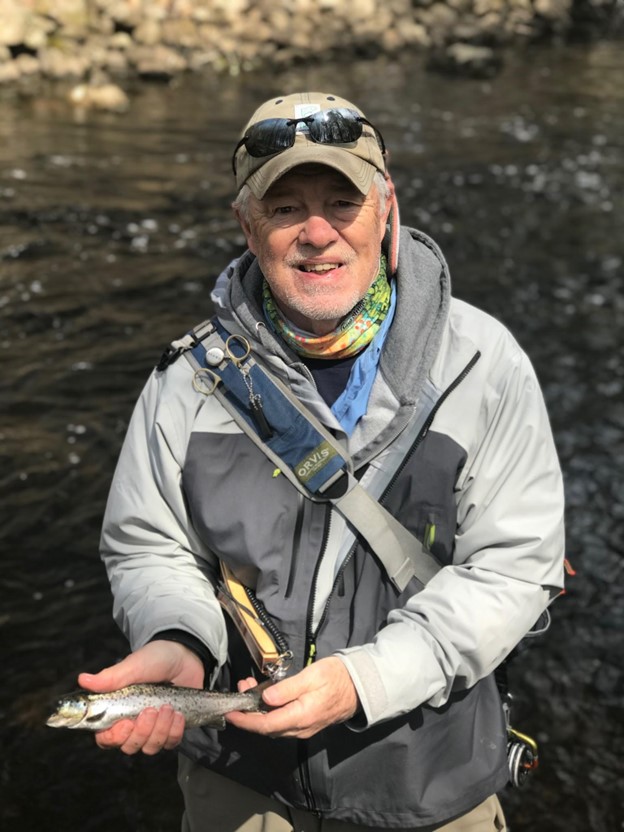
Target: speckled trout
(97, 711)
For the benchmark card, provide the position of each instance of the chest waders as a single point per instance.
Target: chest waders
(304, 451)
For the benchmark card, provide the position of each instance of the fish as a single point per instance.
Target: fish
(98, 711)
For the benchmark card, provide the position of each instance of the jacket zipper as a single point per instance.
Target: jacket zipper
(312, 634)
(310, 646)
(296, 544)
(309, 655)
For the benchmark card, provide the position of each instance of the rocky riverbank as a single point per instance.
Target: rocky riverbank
(99, 41)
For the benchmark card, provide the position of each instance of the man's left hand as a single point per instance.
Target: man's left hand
(322, 694)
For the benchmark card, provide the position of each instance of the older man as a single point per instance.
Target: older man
(399, 583)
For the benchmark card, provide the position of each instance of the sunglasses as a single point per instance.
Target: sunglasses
(274, 135)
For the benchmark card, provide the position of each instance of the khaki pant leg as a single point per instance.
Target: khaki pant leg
(486, 817)
(215, 804)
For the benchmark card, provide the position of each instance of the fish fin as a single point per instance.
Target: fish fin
(219, 723)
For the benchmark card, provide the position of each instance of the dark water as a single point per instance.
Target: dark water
(112, 229)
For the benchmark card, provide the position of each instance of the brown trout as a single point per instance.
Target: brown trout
(97, 711)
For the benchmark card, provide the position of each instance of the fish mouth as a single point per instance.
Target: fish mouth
(60, 721)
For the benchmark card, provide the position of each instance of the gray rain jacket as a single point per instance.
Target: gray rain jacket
(481, 483)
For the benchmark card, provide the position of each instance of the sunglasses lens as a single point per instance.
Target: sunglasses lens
(270, 136)
(335, 127)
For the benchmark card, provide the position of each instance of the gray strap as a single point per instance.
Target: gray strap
(402, 554)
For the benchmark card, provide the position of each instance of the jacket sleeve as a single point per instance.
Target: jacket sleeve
(161, 574)
(508, 558)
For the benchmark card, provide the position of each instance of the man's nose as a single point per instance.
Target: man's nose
(317, 231)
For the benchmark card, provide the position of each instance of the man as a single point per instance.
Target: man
(389, 717)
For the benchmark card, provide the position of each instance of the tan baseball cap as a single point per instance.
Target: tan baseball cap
(358, 160)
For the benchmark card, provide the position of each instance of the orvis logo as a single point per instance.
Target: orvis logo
(314, 462)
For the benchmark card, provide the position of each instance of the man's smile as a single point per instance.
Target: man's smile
(318, 268)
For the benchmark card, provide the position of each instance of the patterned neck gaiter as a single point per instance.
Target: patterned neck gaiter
(354, 333)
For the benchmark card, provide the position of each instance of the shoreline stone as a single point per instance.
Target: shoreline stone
(157, 39)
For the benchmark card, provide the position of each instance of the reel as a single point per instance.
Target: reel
(522, 756)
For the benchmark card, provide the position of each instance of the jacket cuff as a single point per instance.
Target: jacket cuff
(368, 685)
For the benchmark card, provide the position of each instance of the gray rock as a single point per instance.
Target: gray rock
(466, 59)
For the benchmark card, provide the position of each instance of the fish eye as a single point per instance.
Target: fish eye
(71, 705)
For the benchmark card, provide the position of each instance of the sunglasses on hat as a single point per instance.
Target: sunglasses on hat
(274, 135)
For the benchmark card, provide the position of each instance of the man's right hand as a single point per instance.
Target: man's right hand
(154, 729)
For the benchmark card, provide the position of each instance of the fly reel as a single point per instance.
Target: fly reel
(522, 756)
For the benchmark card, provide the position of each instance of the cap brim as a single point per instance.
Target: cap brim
(358, 171)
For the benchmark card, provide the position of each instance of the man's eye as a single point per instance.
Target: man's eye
(280, 210)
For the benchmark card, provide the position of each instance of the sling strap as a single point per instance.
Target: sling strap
(297, 444)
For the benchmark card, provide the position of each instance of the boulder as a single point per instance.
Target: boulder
(158, 63)
(9, 72)
(59, 63)
(466, 59)
(104, 96)
(556, 10)
(15, 18)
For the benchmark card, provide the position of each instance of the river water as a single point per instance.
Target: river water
(112, 229)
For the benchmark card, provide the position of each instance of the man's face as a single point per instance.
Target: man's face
(317, 240)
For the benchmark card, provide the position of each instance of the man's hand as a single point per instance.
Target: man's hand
(154, 729)
(320, 695)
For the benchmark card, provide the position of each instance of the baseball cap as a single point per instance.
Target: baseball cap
(358, 160)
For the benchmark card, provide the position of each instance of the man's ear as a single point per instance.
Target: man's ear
(246, 228)
(391, 196)
(394, 223)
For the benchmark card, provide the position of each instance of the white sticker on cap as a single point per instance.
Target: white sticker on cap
(305, 110)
